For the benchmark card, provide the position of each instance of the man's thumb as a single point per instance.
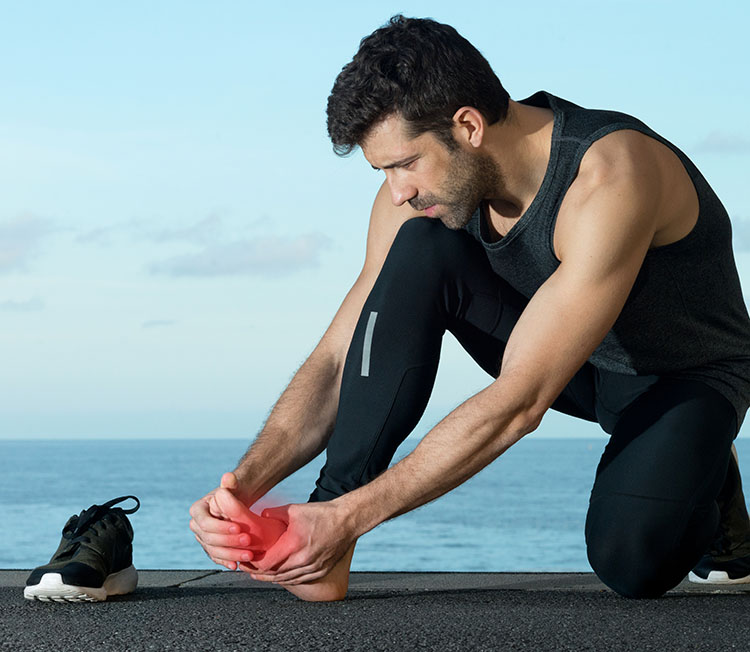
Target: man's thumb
(229, 481)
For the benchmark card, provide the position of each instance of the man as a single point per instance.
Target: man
(579, 258)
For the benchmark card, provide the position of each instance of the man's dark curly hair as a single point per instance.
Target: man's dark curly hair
(416, 68)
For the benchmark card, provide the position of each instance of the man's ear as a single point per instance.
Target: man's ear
(468, 126)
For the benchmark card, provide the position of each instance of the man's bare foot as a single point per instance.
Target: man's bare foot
(263, 531)
(329, 588)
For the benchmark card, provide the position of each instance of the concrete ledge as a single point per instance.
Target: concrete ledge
(221, 610)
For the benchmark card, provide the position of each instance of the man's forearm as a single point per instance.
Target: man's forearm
(462, 444)
(298, 427)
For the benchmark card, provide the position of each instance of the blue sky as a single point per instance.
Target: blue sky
(175, 231)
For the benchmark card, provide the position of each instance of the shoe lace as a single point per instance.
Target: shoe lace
(79, 527)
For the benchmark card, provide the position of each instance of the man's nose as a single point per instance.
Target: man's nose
(401, 192)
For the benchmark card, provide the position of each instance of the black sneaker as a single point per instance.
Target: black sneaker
(94, 558)
(728, 559)
(712, 571)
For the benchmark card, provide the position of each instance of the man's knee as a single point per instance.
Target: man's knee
(422, 240)
(624, 569)
(417, 228)
(415, 266)
(641, 547)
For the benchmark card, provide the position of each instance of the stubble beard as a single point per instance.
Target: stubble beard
(469, 179)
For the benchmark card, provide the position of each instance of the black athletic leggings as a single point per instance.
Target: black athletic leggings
(652, 512)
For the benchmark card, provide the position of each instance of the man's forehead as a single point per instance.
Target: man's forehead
(388, 143)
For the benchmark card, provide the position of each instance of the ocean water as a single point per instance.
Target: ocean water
(525, 512)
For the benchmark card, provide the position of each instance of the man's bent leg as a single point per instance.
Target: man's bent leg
(653, 508)
(392, 361)
(434, 279)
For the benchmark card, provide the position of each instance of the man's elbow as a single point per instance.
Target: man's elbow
(504, 430)
(531, 418)
(527, 420)
(520, 412)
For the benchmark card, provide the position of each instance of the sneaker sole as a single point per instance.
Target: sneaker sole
(717, 577)
(52, 589)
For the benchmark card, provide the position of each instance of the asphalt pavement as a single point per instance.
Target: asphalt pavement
(222, 610)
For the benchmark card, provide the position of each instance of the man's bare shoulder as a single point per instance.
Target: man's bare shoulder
(622, 152)
(628, 167)
(634, 155)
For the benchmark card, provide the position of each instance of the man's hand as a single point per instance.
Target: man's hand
(317, 536)
(224, 541)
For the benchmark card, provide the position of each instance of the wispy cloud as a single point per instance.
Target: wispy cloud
(106, 235)
(32, 305)
(202, 232)
(263, 256)
(741, 233)
(216, 251)
(724, 142)
(20, 239)
(158, 323)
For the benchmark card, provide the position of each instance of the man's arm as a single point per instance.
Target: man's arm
(302, 420)
(563, 323)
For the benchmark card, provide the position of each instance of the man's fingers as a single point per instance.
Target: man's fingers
(283, 559)
(214, 510)
(296, 575)
(277, 553)
(228, 554)
(291, 563)
(265, 531)
(199, 507)
(214, 525)
(305, 579)
(208, 522)
(242, 540)
(247, 567)
(231, 507)
(202, 508)
(225, 542)
(230, 565)
(304, 576)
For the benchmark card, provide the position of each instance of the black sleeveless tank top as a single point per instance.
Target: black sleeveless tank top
(685, 316)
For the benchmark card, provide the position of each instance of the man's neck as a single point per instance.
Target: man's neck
(521, 148)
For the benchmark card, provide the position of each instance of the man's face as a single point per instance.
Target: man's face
(444, 183)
